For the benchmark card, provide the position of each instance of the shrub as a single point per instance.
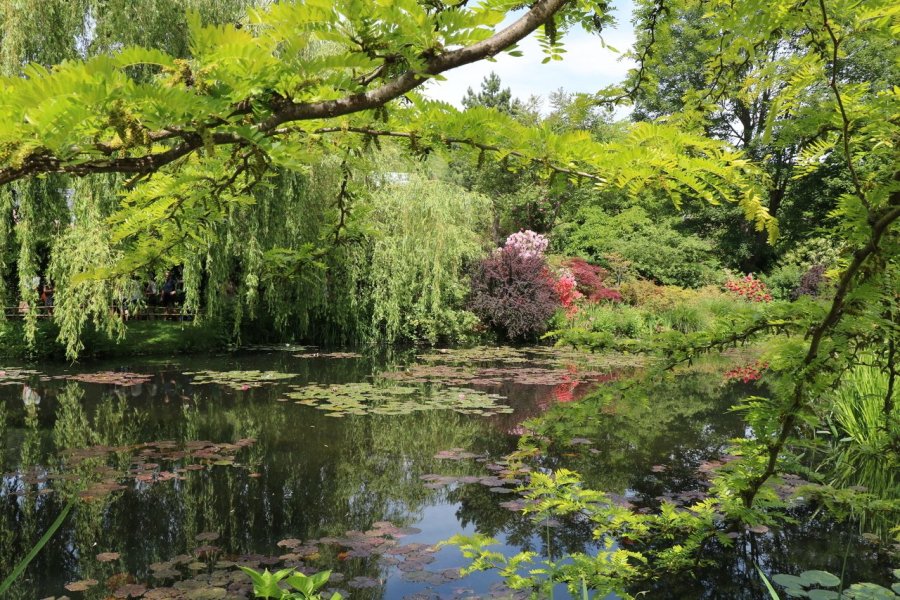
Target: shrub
(749, 288)
(589, 279)
(653, 248)
(811, 283)
(514, 293)
(566, 289)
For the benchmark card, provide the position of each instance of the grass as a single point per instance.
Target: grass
(142, 338)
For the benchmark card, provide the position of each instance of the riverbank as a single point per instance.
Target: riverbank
(142, 338)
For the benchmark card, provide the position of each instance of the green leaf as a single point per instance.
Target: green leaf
(823, 578)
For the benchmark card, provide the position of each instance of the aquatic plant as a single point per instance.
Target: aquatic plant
(238, 380)
(303, 587)
(366, 398)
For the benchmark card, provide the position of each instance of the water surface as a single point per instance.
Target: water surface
(186, 468)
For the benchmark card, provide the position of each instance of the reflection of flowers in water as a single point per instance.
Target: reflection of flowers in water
(572, 387)
(29, 396)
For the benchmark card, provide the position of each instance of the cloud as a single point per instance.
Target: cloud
(586, 66)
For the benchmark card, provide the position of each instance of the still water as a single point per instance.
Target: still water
(183, 469)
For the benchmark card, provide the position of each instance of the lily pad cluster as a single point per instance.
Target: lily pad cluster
(336, 355)
(16, 376)
(119, 378)
(209, 573)
(489, 366)
(820, 585)
(367, 398)
(238, 380)
(146, 463)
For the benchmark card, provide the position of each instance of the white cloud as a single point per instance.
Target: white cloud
(586, 67)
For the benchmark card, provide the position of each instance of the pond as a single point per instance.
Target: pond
(286, 456)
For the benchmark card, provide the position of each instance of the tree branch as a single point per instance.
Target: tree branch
(287, 111)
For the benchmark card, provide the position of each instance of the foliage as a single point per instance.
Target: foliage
(303, 587)
(514, 293)
(654, 248)
(589, 279)
(428, 233)
(811, 283)
(863, 429)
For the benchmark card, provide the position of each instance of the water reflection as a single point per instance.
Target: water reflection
(306, 475)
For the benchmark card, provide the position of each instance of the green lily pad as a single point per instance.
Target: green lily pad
(238, 380)
(788, 581)
(391, 399)
(822, 578)
(819, 594)
(869, 591)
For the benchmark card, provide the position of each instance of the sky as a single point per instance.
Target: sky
(587, 66)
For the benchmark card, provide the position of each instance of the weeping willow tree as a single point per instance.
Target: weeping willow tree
(429, 232)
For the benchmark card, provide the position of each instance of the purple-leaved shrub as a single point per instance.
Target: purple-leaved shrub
(513, 292)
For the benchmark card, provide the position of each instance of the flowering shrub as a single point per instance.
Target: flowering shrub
(565, 288)
(527, 243)
(513, 292)
(749, 288)
(589, 279)
(747, 373)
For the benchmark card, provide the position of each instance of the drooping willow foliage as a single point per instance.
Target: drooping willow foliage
(429, 232)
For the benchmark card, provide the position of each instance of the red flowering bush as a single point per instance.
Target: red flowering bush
(749, 288)
(513, 292)
(747, 373)
(565, 288)
(589, 279)
(605, 294)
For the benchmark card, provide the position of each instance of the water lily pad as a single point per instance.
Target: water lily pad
(334, 355)
(367, 398)
(819, 594)
(120, 378)
(81, 586)
(238, 380)
(130, 590)
(822, 578)
(108, 556)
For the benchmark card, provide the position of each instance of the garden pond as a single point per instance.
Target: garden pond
(180, 470)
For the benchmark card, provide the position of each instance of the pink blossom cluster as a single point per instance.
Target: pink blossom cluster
(528, 243)
(565, 288)
(750, 288)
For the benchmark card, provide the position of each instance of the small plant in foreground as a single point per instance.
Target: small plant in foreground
(266, 584)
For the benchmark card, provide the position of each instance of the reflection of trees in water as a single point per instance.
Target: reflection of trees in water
(810, 543)
(677, 424)
(312, 475)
